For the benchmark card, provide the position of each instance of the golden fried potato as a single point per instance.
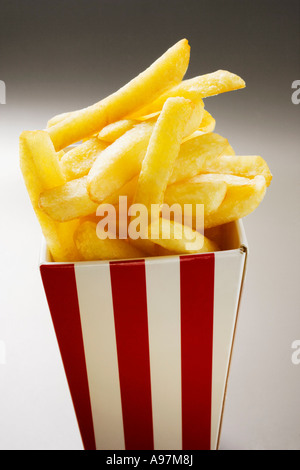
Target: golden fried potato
(242, 197)
(58, 118)
(162, 151)
(164, 73)
(240, 165)
(113, 131)
(78, 161)
(154, 143)
(122, 160)
(116, 129)
(195, 88)
(179, 238)
(119, 163)
(93, 248)
(194, 153)
(41, 171)
(209, 193)
(68, 201)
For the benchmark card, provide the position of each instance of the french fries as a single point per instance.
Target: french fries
(113, 131)
(248, 166)
(58, 118)
(176, 117)
(40, 168)
(162, 151)
(78, 161)
(164, 73)
(195, 88)
(149, 152)
(68, 201)
(242, 197)
(196, 191)
(179, 238)
(119, 163)
(194, 153)
(122, 160)
(92, 248)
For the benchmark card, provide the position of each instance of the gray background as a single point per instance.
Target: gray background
(62, 55)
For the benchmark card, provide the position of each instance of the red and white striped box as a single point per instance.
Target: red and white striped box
(146, 344)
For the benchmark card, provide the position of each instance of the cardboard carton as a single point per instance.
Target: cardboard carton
(146, 344)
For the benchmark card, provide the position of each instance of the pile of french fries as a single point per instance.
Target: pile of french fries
(152, 141)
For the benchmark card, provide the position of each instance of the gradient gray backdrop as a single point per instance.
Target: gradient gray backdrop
(61, 55)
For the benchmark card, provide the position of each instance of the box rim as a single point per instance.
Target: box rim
(243, 247)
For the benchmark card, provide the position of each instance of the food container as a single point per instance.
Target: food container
(146, 344)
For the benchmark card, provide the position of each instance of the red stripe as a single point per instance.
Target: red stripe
(130, 310)
(197, 304)
(61, 292)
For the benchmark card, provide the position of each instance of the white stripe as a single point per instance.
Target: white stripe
(228, 276)
(163, 300)
(98, 328)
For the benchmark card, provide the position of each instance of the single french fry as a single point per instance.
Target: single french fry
(93, 248)
(119, 162)
(162, 151)
(247, 166)
(194, 153)
(41, 151)
(41, 171)
(179, 238)
(242, 197)
(164, 73)
(191, 192)
(68, 201)
(78, 161)
(195, 88)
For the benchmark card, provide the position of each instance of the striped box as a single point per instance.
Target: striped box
(146, 344)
